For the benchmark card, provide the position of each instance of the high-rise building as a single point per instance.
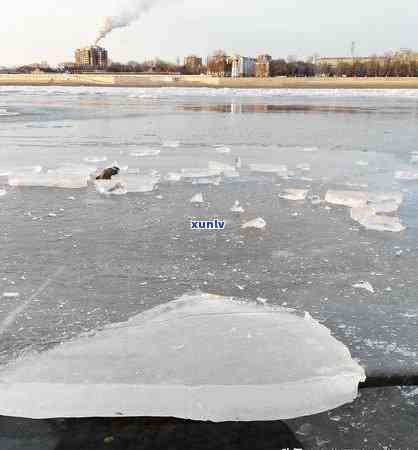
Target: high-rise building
(262, 66)
(93, 57)
(193, 63)
(242, 66)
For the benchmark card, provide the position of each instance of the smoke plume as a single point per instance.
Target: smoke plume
(125, 18)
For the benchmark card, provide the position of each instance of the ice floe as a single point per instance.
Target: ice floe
(146, 152)
(173, 176)
(367, 217)
(3, 192)
(107, 187)
(305, 167)
(258, 224)
(95, 159)
(222, 149)
(226, 170)
(294, 194)
(406, 175)
(280, 170)
(74, 170)
(197, 199)
(201, 176)
(22, 170)
(358, 199)
(171, 144)
(364, 285)
(11, 294)
(270, 363)
(237, 208)
(51, 180)
(122, 184)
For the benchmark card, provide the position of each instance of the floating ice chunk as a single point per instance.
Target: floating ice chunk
(95, 159)
(308, 149)
(173, 176)
(201, 176)
(406, 175)
(238, 163)
(379, 197)
(316, 200)
(362, 163)
(222, 149)
(109, 187)
(11, 294)
(367, 217)
(197, 199)
(280, 170)
(385, 206)
(52, 214)
(3, 192)
(226, 170)
(305, 167)
(290, 367)
(171, 144)
(51, 180)
(146, 152)
(294, 194)
(237, 208)
(359, 199)
(364, 285)
(74, 170)
(137, 183)
(19, 170)
(258, 223)
(352, 199)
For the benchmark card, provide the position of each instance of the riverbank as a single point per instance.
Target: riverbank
(140, 80)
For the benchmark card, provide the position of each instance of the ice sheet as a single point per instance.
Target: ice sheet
(74, 169)
(202, 357)
(197, 199)
(51, 180)
(146, 152)
(359, 199)
(258, 223)
(237, 208)
(294, 194)
(201, 176)
(227, 170)
(406, 175)
(132, 183)
(280, 170)
(368, 218)
(19, 170)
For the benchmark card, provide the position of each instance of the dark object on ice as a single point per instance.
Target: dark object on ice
(108, 173)
(130, 433)
(376, 381)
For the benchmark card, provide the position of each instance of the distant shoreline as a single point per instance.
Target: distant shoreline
(184, 81)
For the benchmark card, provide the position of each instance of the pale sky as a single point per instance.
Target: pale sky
(33, 31)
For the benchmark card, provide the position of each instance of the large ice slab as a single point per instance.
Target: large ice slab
(202, 357)
(50, 180)
(361, 199)
(280, 170)
(368, 218)
(127, 183)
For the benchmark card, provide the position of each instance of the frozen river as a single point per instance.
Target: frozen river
(107, 258)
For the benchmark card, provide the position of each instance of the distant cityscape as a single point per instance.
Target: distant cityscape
(95, 59)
